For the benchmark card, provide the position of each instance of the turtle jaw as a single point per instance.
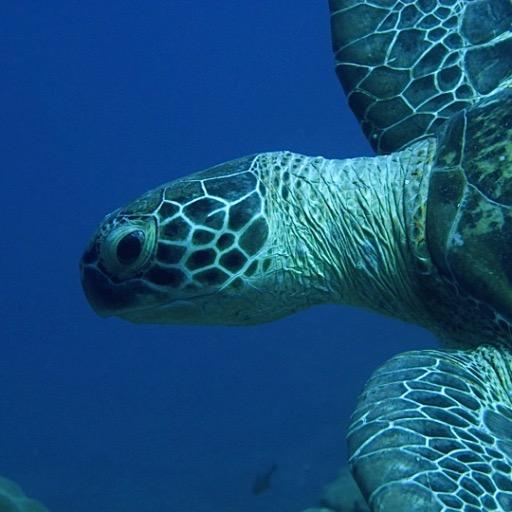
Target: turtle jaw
(134, 301)
(180, 311)
(96, 290)
(138, 301)
(112, 299)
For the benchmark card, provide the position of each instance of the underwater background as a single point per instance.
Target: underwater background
(102, 101)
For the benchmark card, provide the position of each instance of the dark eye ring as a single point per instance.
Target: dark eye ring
(129, 248)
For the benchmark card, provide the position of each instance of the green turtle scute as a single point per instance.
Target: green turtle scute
(469, 219)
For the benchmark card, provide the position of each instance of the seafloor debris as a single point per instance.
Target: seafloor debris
(13, 499)
(342, 495)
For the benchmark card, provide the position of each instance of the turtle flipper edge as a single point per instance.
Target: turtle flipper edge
(432, 431)
(407, 67)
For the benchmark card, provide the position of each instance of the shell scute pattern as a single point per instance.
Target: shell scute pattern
(170, 253)
(199, 232)
(183, 191)
(469, 219)
(231, 187)
(492, 21)
(214, 232)
(198, 211)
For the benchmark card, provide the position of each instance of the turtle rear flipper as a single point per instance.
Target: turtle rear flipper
(433, 432)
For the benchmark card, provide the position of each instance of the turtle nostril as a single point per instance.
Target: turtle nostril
(129, 247)
(91, 254)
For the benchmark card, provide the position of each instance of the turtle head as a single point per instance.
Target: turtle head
(192, 251)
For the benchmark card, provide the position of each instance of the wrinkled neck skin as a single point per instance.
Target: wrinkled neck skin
(340, 229)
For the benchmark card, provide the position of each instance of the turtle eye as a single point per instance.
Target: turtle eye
(127, 247)
(130, 247)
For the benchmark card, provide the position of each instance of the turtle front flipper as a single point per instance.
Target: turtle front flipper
(433, 432)
(407, 67)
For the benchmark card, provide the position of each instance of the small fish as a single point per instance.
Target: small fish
(263, 481)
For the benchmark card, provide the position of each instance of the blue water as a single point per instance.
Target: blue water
(100, 102)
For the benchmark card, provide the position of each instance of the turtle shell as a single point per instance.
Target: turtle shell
(469, 218)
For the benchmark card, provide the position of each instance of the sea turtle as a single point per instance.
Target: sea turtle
(422, 232)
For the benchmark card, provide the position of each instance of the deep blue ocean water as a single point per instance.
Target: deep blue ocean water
(102, 101)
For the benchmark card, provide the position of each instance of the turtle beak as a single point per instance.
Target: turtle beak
(104, 296)
(110, 297)
(100, 294)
